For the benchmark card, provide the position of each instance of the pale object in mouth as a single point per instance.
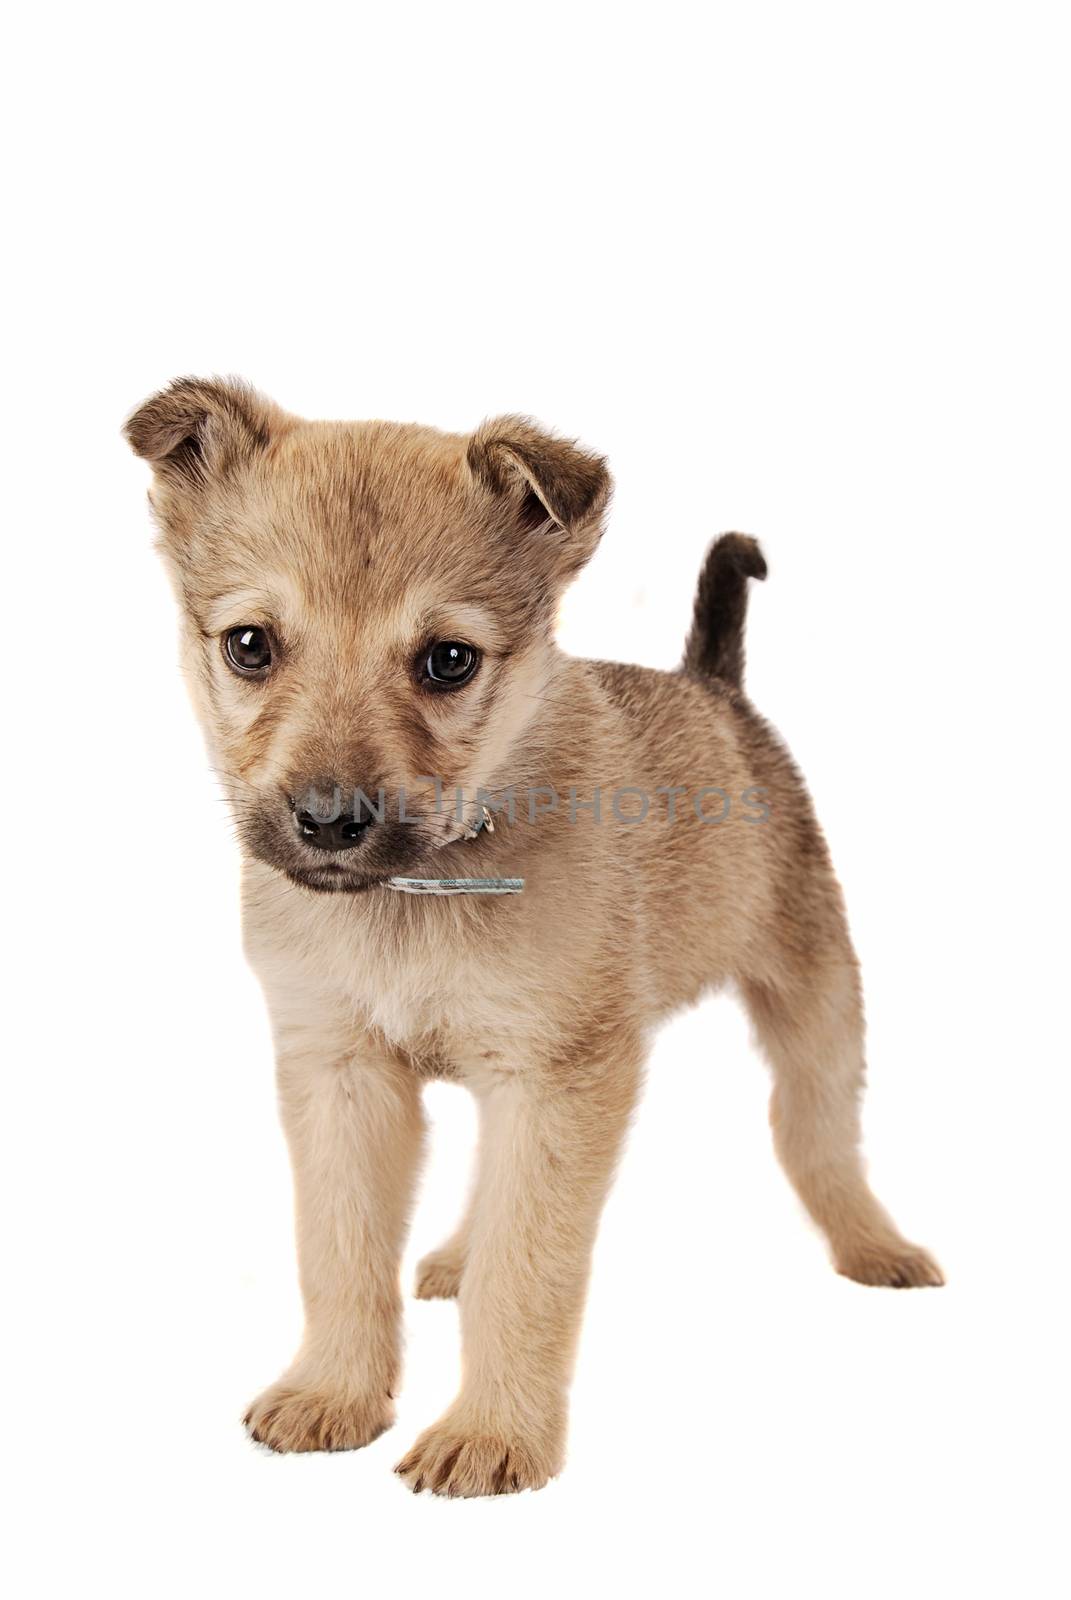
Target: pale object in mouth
(455, 885)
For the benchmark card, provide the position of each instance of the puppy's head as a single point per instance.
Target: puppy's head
(368, 614)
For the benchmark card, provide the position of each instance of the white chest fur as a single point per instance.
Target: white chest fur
(434, 977)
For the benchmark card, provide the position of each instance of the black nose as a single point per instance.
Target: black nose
(340, 835)
(321, 823)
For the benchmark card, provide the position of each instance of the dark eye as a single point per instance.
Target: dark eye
(248, 650)
(449, 664)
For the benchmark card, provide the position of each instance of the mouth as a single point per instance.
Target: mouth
(388, 851)
(330, 879)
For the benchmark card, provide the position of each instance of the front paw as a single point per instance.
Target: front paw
(469, 1457)
(298, 1416)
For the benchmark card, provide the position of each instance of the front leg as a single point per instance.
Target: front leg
(548, 1151)
(354, 1124)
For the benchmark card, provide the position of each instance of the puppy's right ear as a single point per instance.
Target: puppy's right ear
(198, 428)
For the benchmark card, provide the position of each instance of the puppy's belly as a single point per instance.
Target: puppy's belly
(431, 1063)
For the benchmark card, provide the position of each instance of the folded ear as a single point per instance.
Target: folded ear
(197, 428)
(544, 483)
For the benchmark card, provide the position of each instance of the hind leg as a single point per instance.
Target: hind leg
(439, 1273)
(812, 1033)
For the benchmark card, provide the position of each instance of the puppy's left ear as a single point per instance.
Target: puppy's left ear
(547, 486)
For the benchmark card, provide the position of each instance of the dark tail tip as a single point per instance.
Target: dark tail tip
(715, 647)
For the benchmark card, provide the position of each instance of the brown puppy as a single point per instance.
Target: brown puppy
(368, 616)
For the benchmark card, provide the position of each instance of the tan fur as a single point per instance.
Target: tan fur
(356, 544)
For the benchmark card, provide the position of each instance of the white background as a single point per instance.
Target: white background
(800, 270)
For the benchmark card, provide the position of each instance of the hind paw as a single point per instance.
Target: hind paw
(438, 1276)
(894, 1266)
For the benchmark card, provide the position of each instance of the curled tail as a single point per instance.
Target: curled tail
(715, 647)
